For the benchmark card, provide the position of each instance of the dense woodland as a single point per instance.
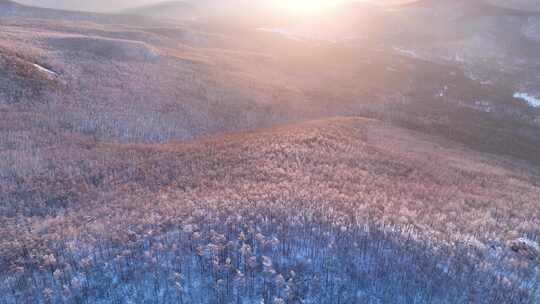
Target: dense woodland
(151, 161)
(334, 211)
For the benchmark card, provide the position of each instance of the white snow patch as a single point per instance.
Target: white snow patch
(407, 52)
(484, 106)
(45, 70)
(531, 29)
(533, 101)
(442, 92)
(453, 58)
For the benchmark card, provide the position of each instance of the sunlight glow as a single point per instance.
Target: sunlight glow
(306, 6)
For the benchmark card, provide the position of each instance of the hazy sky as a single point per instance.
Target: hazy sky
(89, 5)
(115, 5)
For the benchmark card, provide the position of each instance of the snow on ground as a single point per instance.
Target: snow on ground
(442, 92)
(484, 106)
(531, 29)
(45, 70)
(407, 52)
(533, 101)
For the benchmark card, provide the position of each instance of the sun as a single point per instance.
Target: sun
(306, 6)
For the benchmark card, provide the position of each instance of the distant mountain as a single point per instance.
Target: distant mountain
(494, 41)
(528, 5)
(512, 4)
(8, 7)
(485, 37)
(169, 10)
(103, 6)
(219, 13)
(15, 9)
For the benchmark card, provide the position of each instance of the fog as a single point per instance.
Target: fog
(85, 5)
(116, 5)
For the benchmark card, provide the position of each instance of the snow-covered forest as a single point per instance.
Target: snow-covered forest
(168, 154)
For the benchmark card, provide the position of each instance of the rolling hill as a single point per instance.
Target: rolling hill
(102, 6)
(148, 159)
(177, 10)
(190, 71)
(12, 9)
(116, 215)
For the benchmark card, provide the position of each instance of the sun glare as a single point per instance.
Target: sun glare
(306, 6)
